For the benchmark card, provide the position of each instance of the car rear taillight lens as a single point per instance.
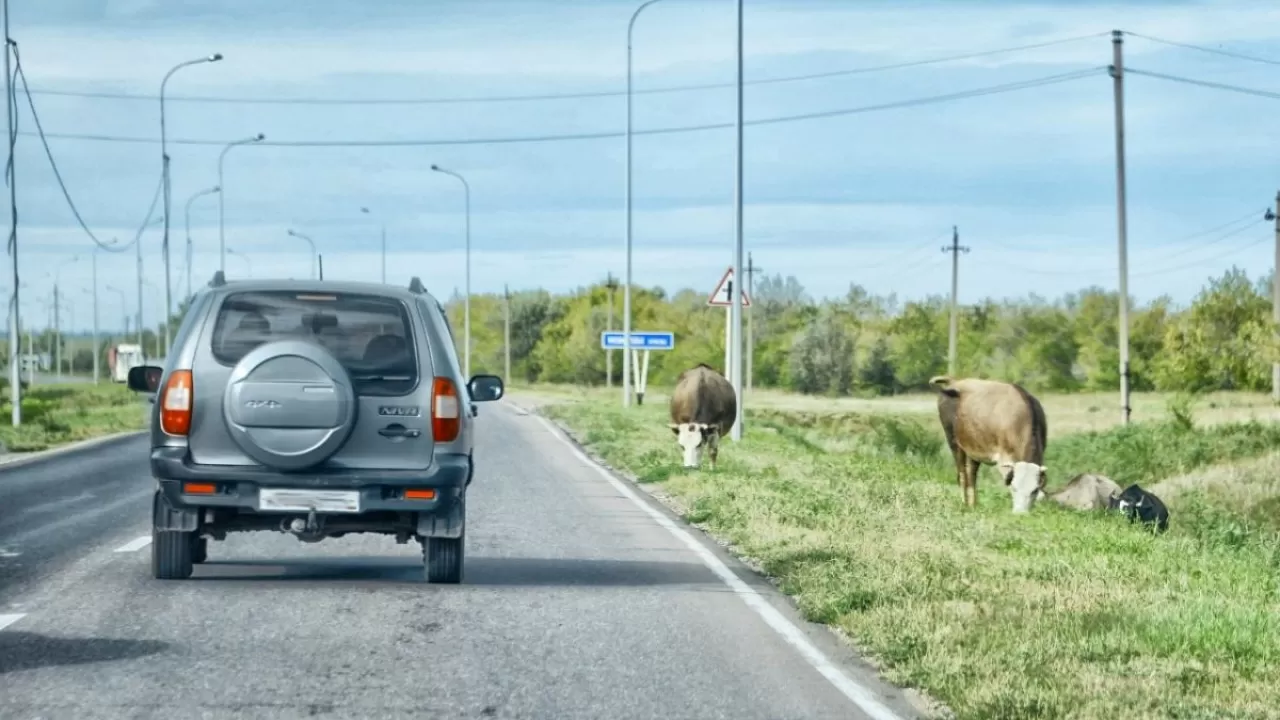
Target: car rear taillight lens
(176, 403)
(445, 410)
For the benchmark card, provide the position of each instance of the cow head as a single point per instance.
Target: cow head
(692, 437)
(1026, 482)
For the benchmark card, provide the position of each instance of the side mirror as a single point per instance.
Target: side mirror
(486, 388)
(145, 378)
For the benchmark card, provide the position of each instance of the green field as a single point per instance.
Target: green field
(853, 508)
(56, 414)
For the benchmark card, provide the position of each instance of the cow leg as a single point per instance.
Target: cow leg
(971, 482)
(961, 463)
(713, 449)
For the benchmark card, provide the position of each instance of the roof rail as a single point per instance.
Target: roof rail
(219, 279)
(415, 286)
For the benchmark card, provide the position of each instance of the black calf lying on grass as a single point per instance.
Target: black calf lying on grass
(1138, 504)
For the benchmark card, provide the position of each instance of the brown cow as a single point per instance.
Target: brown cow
(703, 408)
(989, 422)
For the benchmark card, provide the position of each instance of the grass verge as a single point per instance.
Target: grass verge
(1054, 614)
(54, 415)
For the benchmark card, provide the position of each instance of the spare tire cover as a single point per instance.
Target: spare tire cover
(289, 404)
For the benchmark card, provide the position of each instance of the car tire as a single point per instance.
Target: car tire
(199, 548)
(442, 558)
(171, 554)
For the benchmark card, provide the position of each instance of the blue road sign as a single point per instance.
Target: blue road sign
(639, 340)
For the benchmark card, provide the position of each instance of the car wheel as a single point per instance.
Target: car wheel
(199, 548)
(171, 554)
(442, 558)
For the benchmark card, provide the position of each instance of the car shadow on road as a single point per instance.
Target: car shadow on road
(21, 650)
(479, 571)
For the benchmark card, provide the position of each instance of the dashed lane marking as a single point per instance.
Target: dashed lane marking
(135, 545)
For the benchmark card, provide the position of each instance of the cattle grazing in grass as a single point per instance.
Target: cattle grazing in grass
(989, 422)
(1138, 504)
(1087, 491)
(703, 409)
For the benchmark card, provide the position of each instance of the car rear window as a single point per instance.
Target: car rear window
(368, 334)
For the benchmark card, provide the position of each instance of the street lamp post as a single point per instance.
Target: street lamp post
(295, 233)
(57, 319)
(366, 211)
(187, 213)
(222, 194)
(466, 305)
(124, 308)
(164, 167)
(137, 246)
(96, 350)
(626, 290)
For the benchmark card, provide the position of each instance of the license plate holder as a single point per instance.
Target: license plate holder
(284, 500)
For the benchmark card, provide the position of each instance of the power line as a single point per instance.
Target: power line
(976, 92)
(22, 75)
(560, 96)
(1205, 83)
(1201, 48)
(1202, 261)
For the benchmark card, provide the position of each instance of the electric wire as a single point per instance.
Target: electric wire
(57, 174)
(912, 102)
(1269, 94)
(1202, 261)
(563, 96)
(1201, 48)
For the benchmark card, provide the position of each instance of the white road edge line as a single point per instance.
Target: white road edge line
(861, 696)
(135, 545)
(7, 620)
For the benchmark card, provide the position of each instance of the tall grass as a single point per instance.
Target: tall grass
(58, 414)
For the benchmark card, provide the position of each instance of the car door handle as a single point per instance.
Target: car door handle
(399, 430)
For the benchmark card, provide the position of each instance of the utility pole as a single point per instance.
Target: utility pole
(57, 336)
(735, 310)
(955, 248)
(15, 365)
(751, 271)
(138, 247)
(96, 349)
(506, 333)
(1275, 299)
(1117, 73)
(611, 285)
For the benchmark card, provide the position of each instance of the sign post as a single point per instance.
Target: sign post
(722, 296)
(641, 344)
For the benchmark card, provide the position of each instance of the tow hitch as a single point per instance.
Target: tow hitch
(309, 530)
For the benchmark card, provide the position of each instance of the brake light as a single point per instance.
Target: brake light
(176, 401)
(445, 410)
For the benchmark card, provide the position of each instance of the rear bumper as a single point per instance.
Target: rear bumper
(380, 490)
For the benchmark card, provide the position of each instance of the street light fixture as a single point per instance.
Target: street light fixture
(294, 233)
(164, 167)
(626, 289)
(466, 316)
(248, 265)
(366, 211)
(193, 198)
(222, 238)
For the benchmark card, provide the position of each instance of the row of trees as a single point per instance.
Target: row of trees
(876, 345)
(865, 344)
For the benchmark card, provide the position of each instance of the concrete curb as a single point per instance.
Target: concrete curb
(15, 460)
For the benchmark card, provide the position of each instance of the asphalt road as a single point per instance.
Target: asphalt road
(579, 601)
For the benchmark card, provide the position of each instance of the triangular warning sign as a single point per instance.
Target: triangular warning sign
(720, 297)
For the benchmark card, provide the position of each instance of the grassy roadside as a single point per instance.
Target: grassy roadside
(1056, 614)
(54, 415)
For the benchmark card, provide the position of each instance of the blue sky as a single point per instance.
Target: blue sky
(1028, 176)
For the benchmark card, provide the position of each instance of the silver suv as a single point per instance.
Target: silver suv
(316, 408)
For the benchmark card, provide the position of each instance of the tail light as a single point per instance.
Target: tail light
(176, 402)
(445, 410)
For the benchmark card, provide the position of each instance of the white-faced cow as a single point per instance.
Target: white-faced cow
(1087, 491)
(989, 422)
(703, 408)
